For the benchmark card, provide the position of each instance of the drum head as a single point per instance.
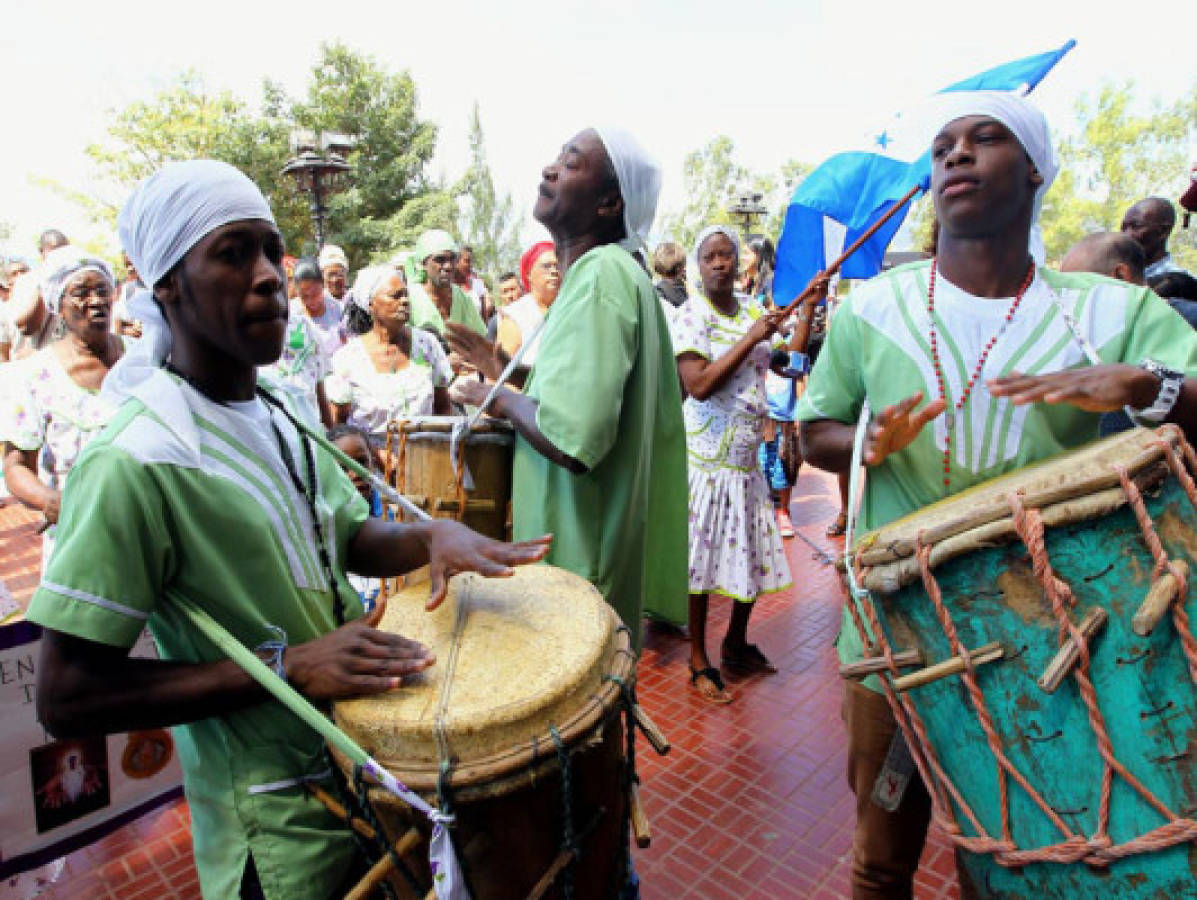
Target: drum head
(532, 651)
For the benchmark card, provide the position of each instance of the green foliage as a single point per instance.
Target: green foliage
(1116, 157)
(713, 178)
(486, 222)
(389, 202)
(351, 93)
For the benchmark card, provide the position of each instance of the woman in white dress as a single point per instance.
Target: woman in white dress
(722, 344)
(52, 407)
(392, 371)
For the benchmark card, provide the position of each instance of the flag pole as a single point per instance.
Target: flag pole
(856, 245)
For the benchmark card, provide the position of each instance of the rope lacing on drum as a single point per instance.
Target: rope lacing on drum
(569, 843)
(630, 777)
(1097, 849)
(362, 788)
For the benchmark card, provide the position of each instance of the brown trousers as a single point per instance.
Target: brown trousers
(887, 845)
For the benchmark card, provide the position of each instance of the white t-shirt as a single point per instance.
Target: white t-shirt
(527, 314)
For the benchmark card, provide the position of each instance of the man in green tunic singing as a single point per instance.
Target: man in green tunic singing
(601, 457)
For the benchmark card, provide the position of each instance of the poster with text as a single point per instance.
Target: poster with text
(58, 795)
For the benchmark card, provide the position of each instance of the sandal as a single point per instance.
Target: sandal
(838, 527)
(719, 695)
(748, 659)
(785, 524)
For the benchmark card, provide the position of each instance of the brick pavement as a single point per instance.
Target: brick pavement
(751, 802)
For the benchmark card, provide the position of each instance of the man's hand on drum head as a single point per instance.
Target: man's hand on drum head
(1105, 388)
(453, 548)
(896, 426)
(355, 660)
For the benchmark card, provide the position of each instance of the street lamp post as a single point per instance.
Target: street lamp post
(319, 169)
(747, 206)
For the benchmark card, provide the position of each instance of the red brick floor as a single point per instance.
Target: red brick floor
(751, 801)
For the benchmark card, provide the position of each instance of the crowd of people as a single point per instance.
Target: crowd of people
(660, 432)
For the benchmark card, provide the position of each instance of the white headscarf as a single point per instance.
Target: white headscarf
(168, 214)
(369, 280)
(1025, 121)
(61, 266)
(433, 243)
(639, 178)
(332, 255)
(725, 230)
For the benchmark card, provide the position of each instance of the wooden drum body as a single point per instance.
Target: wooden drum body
(1122, 723)
(523, 680)
(418, 464)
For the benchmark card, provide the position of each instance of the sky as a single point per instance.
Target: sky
(786, 79)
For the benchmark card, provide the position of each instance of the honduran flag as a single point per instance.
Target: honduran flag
(839, 200)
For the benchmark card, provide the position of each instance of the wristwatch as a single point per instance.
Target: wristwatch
(1170, 385)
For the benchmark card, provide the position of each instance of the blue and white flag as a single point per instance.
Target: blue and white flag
(839, 200)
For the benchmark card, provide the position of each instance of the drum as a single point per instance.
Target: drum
(418, 464)
(518, 725)
(1052, 712)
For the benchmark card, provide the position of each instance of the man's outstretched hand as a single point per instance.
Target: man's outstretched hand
(897, 426)
(453, 548)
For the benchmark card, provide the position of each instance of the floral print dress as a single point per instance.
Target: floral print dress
(735, 545)
(43, 409)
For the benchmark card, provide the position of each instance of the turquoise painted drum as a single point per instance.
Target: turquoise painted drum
(1143, 685)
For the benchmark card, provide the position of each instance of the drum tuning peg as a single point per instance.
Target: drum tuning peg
(1068, 654)
(655, 736)
(1159, 599)
(953, 665)
(640, 827)
(873, 664)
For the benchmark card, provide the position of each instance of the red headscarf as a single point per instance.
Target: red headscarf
(528, 260)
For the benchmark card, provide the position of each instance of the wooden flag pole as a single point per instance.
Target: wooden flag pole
(856, 245)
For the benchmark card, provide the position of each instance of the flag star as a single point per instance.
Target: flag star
(884, 140)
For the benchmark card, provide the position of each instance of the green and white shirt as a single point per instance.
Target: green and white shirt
(878, 348)
(183, 497)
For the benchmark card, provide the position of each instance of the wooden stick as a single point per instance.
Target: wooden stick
(362, 828)
(1066, 657)
(953, 665)
(655, 736)
(856, 245)
(640, 827)
(872, 664)
(1159, 599)
(383, 867)
(562, 860)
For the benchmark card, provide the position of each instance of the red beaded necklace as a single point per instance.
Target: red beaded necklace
(968, 389)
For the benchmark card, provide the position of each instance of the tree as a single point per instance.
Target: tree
(185, 121)
(713, 177)
(352, 94)
(486, 222)
(1116, 157)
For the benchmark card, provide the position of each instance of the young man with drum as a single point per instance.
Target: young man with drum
(600, 461)
(1001, 348)
(205, 488)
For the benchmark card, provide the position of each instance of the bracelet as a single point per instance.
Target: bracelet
(276, 648)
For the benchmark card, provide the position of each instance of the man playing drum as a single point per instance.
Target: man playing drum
(1002, 348)
(204, 488)
(600, 462)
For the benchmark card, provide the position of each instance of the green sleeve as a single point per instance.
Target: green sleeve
(835, 388)
(1156, 331)
(113, 552)
(424, 313)
(580, 375)
(466, 313)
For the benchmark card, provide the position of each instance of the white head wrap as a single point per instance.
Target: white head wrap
(61, 266)
(639, 178)
(332, 255)
(725, 230)
(433, 243)
(168, 214)
(1025, 121)
(369, 280)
